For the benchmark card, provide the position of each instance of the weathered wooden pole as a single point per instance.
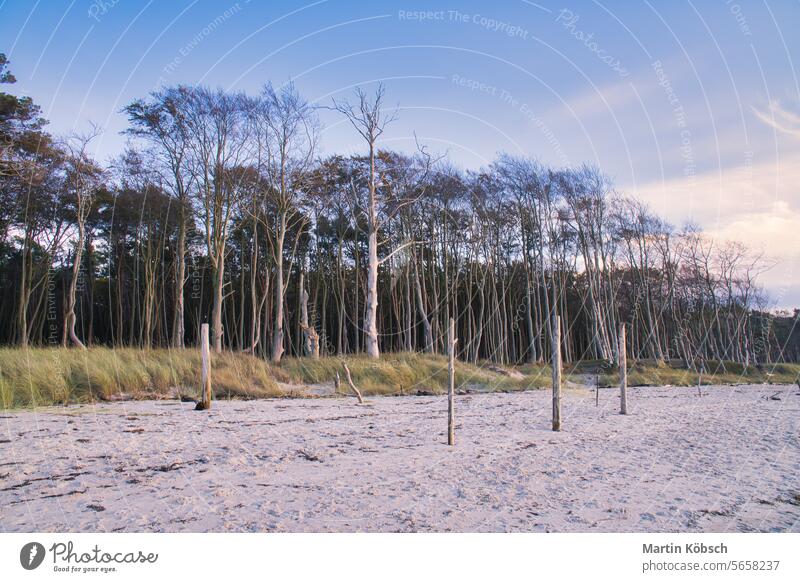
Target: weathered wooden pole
(205, 352)
(556, 372)
(623, 372)
(451, 384)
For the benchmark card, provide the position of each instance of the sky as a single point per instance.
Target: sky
(691, 106)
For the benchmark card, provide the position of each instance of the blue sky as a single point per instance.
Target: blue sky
(692, 106)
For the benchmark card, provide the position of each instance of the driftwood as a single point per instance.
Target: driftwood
(516, 374)
(350, 383)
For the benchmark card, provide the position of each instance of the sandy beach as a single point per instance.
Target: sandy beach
(728, 460)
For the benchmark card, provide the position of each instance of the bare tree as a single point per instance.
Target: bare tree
(370, 121)
(83, 177)
(217, 139)
(501, 250)
(287, 132)
(161, 120)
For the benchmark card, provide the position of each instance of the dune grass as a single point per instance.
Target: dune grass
(46, 376)
(401, 373)
(649, 373)
(43, 376)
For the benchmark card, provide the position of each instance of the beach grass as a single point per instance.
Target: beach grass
(47, 376)
(677, 373)
(44, 376)
(403, 373)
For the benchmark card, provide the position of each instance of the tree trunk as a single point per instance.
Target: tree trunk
(179, 325)
(24, 294)
(216, 312)
(277, 329)
(426, 324)
(309, 334)
(73, 290)
(255, 306)
(371, 313)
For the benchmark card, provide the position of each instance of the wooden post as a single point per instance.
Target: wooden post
(623, 372)
(451, 383)
(556, 372)
(205, 352)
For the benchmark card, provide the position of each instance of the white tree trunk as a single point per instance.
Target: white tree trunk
(216, 313)
(179, 331)
(277, 328)
(73, 290)
(371, 315)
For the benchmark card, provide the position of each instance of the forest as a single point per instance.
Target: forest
(223, 210)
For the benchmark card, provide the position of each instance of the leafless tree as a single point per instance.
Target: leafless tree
(162, 121)
(83, 176)
(287, 132)
(369, 120)
(217, 131)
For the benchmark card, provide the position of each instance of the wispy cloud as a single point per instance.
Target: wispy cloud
(718, 196)
(597, 97)
(756, 204)
(780, 118)
(773, 232)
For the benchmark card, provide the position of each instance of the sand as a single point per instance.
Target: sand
(728, 461)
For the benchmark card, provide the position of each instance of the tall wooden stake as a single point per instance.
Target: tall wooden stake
(205, 389)
(556, 372)
(623, 372)
(451, 384)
